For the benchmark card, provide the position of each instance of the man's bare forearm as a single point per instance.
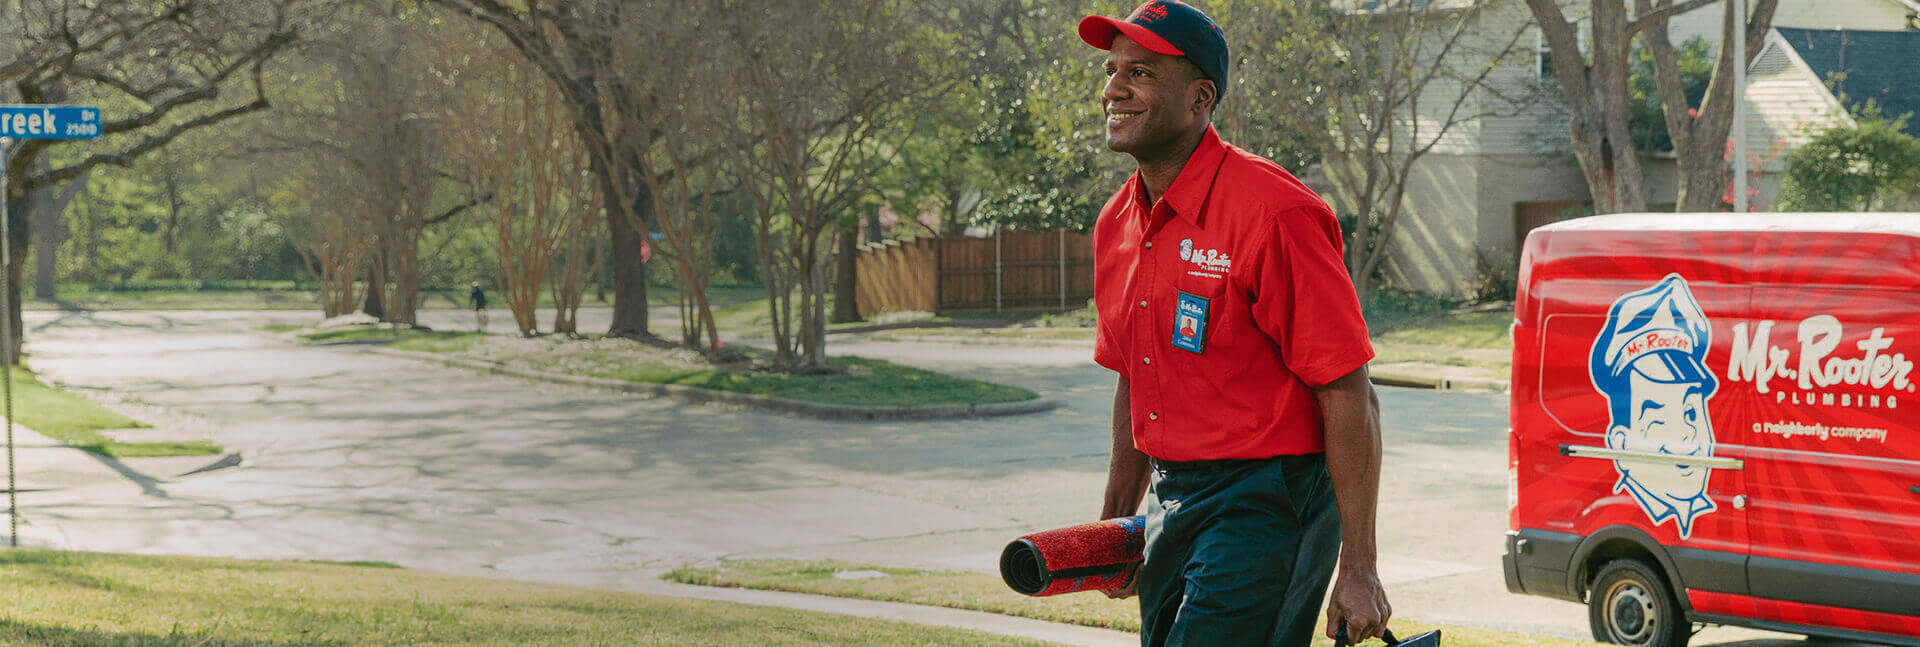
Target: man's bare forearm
(1351, 412)
(1127, 468)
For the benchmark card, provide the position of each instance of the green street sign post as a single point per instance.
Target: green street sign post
(26, 122)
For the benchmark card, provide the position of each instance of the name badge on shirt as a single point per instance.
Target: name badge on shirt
(1190, 323)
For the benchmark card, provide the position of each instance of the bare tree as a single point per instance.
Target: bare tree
(157, 70)
(374, 119)
(827, 93)
(1377, 89)
(572, 42)
(328, 233)
(579, 257)
(1597, 96)
(517, 145)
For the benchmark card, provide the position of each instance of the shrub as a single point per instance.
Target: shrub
(1868, 166)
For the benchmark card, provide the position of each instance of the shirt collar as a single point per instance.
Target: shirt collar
(1661, 508)
(1189, 190)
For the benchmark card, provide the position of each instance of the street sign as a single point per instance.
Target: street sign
(49, 122)
(26, 122)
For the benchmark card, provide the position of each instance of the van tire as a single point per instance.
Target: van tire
(1631, 604)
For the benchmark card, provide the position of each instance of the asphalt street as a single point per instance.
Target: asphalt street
(355, 456)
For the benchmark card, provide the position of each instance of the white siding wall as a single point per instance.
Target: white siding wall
(1705, 22)
(1786, 104)
(1493, 33)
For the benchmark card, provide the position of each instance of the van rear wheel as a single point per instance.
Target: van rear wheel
(1630, 604)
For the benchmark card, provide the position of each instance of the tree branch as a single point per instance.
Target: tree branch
(151, 142)
(457, 209)
(1649, 16)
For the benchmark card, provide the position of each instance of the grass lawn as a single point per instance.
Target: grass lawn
(385, 333)
(1475, 337)
(92, 599)
(287, 295)
(864, 381)
(77, 421)
(981, 592)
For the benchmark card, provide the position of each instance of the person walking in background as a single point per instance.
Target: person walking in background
(1242, 397)
(478, 298)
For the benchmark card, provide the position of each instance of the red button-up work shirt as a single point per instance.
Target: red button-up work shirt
(1242, 236)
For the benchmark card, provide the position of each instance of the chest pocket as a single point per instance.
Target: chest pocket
(1195, 308)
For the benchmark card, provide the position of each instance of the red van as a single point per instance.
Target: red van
(1715, 420)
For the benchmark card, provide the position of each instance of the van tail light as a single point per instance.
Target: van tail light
(1513, 481)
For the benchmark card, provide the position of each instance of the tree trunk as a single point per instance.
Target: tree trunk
(1596, 98)
(376, 287)
(13, 296)
(22, 204)
(46, 234)
(1701, 136)
(404, 270)
(46, 243)
(845, 276)
(623, 257)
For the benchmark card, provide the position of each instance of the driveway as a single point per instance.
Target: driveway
(357, 456)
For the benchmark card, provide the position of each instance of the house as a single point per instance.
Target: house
(1471, 200)
(1808, 79)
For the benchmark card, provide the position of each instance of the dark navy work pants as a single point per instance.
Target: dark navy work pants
(1239, 552)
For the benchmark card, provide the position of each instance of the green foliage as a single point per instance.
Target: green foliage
(1495, 277)
(1871, 165)
(1038, 134)
(1387, 309)
(171, 217)
(1645, 119)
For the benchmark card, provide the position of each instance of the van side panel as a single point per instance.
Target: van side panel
(1810, 615)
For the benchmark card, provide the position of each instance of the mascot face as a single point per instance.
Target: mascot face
(1666, 418)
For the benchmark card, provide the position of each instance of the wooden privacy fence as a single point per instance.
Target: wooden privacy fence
(1009, 271)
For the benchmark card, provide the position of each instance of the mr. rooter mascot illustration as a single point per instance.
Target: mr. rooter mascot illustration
(1650, 362)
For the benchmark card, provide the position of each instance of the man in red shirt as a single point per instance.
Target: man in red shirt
(1243, 397)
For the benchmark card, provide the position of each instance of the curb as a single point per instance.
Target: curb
(769, 404)
(1438, 383)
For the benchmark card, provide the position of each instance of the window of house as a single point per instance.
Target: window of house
(1543, 52)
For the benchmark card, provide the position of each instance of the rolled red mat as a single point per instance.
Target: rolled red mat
(1096, 556)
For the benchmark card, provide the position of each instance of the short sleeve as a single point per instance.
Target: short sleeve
(1107, 347)
(1305, 302)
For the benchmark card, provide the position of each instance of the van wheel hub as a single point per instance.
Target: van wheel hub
(1632, 616)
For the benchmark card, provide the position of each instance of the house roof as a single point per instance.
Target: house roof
(1875, 65)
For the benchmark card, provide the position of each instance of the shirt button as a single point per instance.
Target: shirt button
(1149, 244)
(1146, 360)
(1153, 416)
(1143, 303)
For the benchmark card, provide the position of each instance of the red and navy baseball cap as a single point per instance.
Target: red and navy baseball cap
(1167, 27)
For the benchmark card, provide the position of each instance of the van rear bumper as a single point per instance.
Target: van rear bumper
(1537, 562)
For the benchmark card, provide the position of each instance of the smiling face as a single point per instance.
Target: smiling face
(1152, 100)
(1666, 418)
